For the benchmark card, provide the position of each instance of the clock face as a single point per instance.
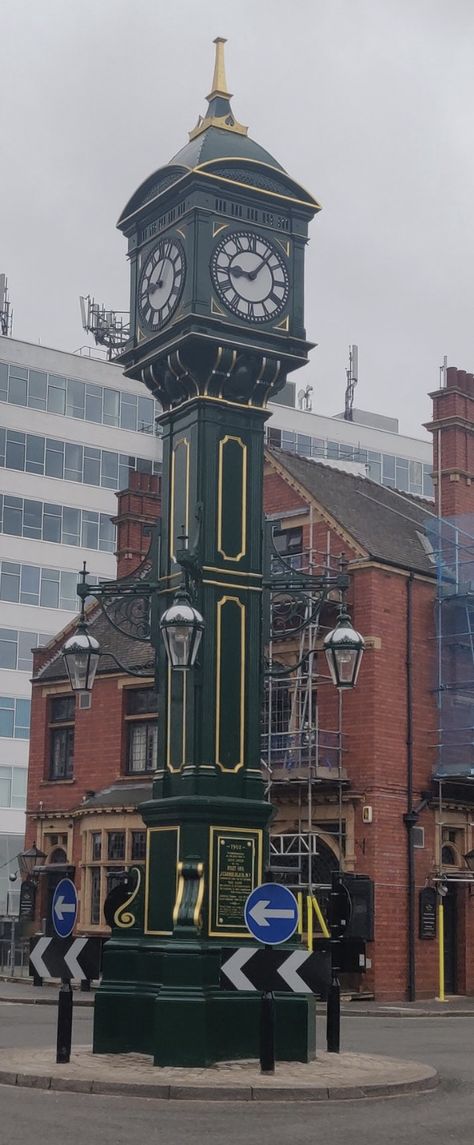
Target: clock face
(161, 283)
(250, 277)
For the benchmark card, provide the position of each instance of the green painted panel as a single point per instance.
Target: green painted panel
(230, 683)
(176, 720)
(160, 879)
(232, 499)
(179, 493)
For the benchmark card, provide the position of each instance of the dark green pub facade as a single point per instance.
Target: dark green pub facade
(216, 242)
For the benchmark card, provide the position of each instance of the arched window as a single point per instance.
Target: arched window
(449, 856)
(58, 855)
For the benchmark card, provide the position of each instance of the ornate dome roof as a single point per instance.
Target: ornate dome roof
(219, 146)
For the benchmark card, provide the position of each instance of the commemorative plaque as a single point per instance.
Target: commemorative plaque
(236, 865)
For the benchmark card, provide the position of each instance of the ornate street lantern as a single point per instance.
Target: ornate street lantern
(27, 860)
(182, 627)
(81, 657)
(344, 649)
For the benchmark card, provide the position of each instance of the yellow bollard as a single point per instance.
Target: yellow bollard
(299, 899)
(309, 914)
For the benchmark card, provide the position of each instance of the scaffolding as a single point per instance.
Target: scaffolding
(302, 756)
(451, 541)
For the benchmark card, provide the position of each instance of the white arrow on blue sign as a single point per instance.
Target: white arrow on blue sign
(64, 908)
(271, 913)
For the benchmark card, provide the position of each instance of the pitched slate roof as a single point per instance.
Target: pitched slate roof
(387, 524)
(119, 795)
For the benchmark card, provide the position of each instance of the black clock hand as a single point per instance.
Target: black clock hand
(239, 272)
(155, 285)
(257, 269)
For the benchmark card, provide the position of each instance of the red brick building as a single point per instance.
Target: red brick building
(382, 779)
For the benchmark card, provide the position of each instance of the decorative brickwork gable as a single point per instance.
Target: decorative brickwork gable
(138, 506)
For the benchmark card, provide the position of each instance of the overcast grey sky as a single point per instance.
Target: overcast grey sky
(369, 103)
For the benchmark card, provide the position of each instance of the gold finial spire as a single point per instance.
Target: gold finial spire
(219, 82)
(219, 112)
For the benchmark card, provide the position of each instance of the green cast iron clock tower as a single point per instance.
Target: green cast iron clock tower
(216, 242)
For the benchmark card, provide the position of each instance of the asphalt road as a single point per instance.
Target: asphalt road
(439, 1118)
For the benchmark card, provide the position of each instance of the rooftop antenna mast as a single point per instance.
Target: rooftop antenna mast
(6, 314)
(109, 328)
(352, 376)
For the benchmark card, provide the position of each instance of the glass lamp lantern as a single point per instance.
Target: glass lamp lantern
(344, 648)
(181, 627)
(27, 860)
(81, 657)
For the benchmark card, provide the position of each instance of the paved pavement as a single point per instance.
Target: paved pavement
(330, 1077)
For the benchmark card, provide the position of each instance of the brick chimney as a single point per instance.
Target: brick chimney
(453, 444)
(138, 505)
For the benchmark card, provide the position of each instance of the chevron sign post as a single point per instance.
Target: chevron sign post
(66, 958)
(263, 969)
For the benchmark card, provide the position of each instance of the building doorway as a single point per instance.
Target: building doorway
(450, 941)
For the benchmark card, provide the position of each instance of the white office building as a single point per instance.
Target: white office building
(71, 428)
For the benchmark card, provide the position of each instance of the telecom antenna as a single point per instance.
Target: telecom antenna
(443, 373)
(6, 314)
(304, 400)
(109, 328)
(352, 376)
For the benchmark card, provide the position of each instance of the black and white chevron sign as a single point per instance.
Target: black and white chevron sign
(66, 957)
(263, 968)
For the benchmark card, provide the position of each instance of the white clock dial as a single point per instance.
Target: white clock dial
(161, 282)
(250, 276)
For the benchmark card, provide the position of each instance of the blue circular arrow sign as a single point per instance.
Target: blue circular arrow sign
(271, 913)
(64, 908)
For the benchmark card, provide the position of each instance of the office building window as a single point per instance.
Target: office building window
(73, 398)
(13, 787)
(29, 584)
(14, 717)
(49, 457)
(61, 729)
(142, 729)
(16, 648)
(60, 524)
(396, 472)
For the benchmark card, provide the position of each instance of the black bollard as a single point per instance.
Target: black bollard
(63, 1045)
(37, 979)
(333, 1015)
(267, 1017)
(267, 1033)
